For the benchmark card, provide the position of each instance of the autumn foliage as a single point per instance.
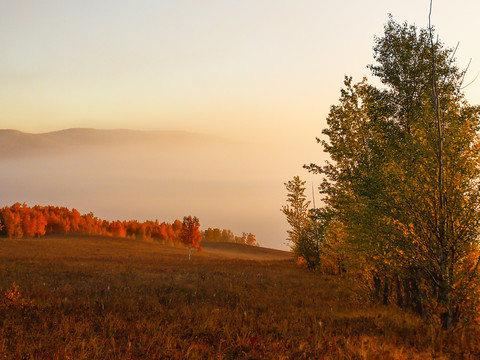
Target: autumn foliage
(190, 234)
(226, 235)
(402, 185)
(19, 221)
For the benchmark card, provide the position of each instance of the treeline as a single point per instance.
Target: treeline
(20, 220)
(401, 192)
(225, 235)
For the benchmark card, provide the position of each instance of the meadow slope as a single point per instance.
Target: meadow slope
(107, 298)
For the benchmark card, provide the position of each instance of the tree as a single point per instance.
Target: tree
(249, 239)
(227, 236)
(303, 235)
(296, 210)
(404, 174)
(12, 221)
(190, 234)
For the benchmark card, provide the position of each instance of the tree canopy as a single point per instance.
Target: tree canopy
(190, 233)
(403, 178)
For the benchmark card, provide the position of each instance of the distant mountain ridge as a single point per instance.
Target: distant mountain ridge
(15, 143)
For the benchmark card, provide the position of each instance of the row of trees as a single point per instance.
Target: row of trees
(401, 191)
(226, 235)
(20, 220)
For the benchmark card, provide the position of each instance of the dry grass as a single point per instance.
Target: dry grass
(104, 298)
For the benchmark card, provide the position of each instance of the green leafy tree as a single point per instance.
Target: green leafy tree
(404, 174)
(296, 210)
(305, 231)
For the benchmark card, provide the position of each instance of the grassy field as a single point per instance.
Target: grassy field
(106, 298)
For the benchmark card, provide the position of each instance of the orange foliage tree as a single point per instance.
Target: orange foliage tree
(20, 220)
(190, 233)
(249, 239)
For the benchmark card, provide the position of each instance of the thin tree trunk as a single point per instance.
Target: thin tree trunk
(377, 285)
(444, 295)
(386, 291)
(398, 283)
(407, 290)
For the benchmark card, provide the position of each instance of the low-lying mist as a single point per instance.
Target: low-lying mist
(227, 184)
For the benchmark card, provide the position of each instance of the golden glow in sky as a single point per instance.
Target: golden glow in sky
(254, 69)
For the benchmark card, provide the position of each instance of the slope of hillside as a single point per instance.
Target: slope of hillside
(240, 251)
(67, 246)
(106, 298)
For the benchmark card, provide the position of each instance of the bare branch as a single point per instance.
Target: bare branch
(465, 72)
(429, 17)
(454, 51)
(471, 82)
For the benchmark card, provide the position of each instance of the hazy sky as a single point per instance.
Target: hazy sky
(250, 69)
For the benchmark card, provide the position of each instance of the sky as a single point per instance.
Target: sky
(251, 70)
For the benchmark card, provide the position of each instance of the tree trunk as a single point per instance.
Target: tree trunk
(407, 291)
(377, 285)
(444, 295)
(398, 283)
(445, 298)
(386, 291)
(418, 297)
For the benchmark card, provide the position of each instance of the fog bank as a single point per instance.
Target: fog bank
(152, 175)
